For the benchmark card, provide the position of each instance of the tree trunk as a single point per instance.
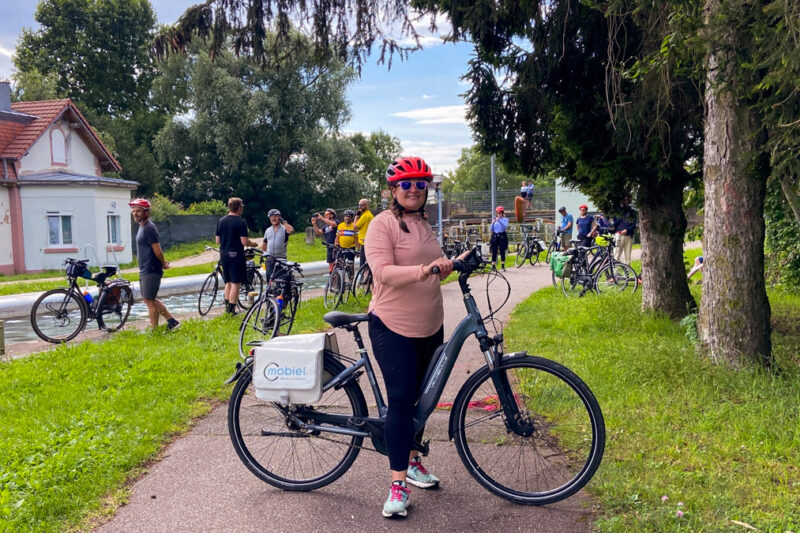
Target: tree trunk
(733, 324)
(663, 225)
(792, 197)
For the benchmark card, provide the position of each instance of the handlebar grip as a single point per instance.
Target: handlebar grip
(435, 270)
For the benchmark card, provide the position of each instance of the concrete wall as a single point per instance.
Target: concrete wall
(6, 250)
(79, 158)
(89, 207)
(571, 199)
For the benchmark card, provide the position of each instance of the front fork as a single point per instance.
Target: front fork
(513, 419)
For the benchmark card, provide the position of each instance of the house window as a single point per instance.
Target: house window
(113, 224)
(59, 146)
(59, 229)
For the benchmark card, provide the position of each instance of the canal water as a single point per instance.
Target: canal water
(18, 329)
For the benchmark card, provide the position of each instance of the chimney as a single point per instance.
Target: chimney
(5, 96)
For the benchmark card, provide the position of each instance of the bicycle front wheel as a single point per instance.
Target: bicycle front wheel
(114, 307)
(362, 286)
(281, 454)
(522, 255)
(533, 256)
(208, 293)
(332, 294)
(619, 278)
(58, 315)
(260, 324)
(566, 444)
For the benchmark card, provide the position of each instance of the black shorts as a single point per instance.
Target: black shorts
(523, 194)
(234, 268)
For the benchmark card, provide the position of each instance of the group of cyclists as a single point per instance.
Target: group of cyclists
(347, 237)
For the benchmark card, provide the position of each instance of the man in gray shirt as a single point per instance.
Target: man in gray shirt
(276, 238)
(151, 263)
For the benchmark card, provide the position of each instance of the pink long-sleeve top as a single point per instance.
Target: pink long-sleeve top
(402, 297)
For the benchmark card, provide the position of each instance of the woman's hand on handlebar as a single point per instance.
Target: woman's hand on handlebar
(444, 265)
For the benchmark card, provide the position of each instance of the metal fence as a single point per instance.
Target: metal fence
(477, 204)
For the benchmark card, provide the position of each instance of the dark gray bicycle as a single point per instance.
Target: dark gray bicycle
(526, 428)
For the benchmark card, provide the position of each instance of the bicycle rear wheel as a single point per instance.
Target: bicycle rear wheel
(114, 307)
(362, 286)
(533, 256)
(58, 315)
(259, 324)
(567, 441)
(332, 294)
(281, 454)
(576, 285)
(208, 293)
(250, 291)
(522, 255)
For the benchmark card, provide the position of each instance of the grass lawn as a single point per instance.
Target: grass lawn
(77, 422)
(683, 436)
(297, 251)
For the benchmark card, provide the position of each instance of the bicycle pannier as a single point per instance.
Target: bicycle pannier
(78, 270)
(289, 369)
(560, 264)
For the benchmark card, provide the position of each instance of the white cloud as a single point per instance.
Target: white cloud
(441, 157)
(428, 96)
(7, 52)
(449, 114)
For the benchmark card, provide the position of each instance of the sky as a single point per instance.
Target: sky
(418, 100)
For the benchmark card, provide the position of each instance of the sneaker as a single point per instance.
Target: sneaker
(173, 324)
(418, 476)
(397, 503)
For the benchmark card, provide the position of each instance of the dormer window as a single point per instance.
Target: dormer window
(59, 146)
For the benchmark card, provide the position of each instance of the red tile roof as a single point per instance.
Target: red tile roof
(16, 139)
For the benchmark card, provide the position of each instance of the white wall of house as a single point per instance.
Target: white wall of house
(79, 158)
(113, 202)
(6, 251)
(87, 207)
(571, 199)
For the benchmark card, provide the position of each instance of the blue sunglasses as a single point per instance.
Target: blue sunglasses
(406, 185)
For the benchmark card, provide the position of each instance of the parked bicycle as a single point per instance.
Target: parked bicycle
(554, 246)
(530, 247)
(340, 280)
(526, 428)
(254, 282)
(362, 284)
(59, 315)
(606, 273)
(274, 311)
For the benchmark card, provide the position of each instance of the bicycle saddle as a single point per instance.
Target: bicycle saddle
(340, 319)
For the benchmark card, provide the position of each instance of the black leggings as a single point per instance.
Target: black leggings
(499, 243)
(403, 362)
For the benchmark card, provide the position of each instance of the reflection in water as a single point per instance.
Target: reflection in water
(18, 329)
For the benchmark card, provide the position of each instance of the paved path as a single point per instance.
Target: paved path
(201, 485)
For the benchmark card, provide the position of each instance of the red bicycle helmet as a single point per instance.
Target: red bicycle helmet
(500, 208)
(404, 168)
(139, 202)
(583, 206)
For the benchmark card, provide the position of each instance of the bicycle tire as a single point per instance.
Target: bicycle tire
(254, 283)
(522, 255)
(46, 319)
(287, 314)
(560, 456)
(111, 318)
(533, 256)
(347, 283)
(288, 458)
(550, 250)
(259, 324)
(332, 293)
(362, 286)
(208, 293)
(574, 285)
(618, 278)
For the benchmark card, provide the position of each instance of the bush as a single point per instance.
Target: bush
(163, 208)
(782, 241)
(209, 207)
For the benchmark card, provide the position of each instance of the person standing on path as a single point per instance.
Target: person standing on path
(499, 238)
(363, 218)
(276, 239)
(625, 226)
(232, 238)
(585, 225)
(565, 228)
(406, 317)
(328, 233)
(151, 264)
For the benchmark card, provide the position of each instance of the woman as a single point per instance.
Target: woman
(406, 316)
(328, 233)
(499, 240)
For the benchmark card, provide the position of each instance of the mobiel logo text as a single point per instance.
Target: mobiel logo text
(273, 371)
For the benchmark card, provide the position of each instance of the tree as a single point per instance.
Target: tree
(474, 173)
(269, 136)
(377, 151)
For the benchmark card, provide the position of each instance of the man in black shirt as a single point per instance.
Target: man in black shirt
(232, 238)
(151, 263)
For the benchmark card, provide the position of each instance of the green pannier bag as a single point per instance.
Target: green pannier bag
(560, 264)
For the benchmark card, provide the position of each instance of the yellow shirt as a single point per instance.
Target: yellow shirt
(362, 223)
(347, 235)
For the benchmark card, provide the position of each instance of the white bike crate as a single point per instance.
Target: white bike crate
(289, 369)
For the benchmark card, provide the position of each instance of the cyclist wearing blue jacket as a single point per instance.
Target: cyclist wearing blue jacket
(499, 241)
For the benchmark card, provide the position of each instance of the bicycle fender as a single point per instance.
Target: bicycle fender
(240, 369)
(478, 374)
